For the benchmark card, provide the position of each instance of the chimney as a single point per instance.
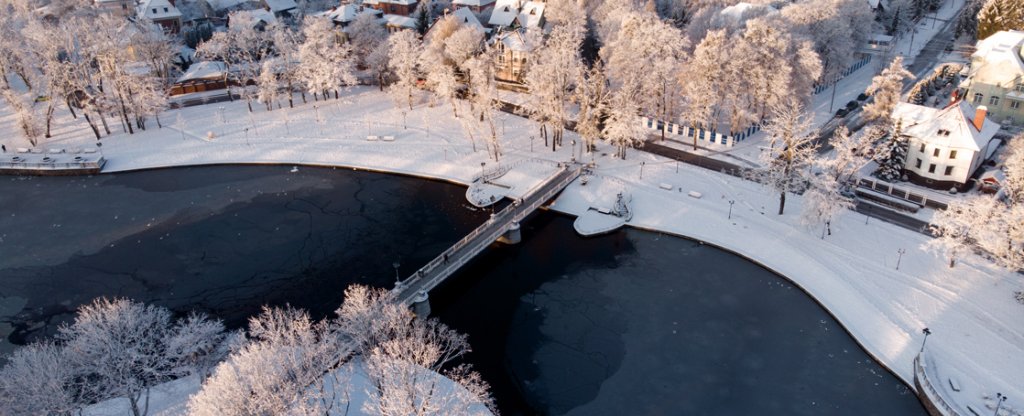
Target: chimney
(979, 117)
(956, 94)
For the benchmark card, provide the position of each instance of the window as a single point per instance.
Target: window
(993, 101)
(931, 168)
(922, 148)
(949, 170)
(1020, 87)
(154, 11)
(978, 97)
(918, 164)
(935, 152)
(952, 154)
(124, 6)
(1014, 104)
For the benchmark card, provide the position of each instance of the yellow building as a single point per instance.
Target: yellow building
(996, 77)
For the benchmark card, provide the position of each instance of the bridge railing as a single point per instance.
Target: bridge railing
(933, 394)
(440, 267)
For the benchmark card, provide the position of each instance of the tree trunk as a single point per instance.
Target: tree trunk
(303, 93)
(103, 119)
(124, 114)
(248, 102)
(95, 130)
(49, 116)
(782, 201)
(67, 101)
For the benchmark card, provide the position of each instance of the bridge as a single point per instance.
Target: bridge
(503, 226)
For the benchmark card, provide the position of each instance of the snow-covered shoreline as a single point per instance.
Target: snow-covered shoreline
(978, 336)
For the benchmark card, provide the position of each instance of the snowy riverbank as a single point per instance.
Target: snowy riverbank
(978, 336)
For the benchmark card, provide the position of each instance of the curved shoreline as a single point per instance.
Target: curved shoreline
(909, 384)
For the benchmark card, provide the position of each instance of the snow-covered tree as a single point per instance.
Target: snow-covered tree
(449, 47)
(123, 348)
(554, 69)
(38, 379)
(893, 156)
(824, 199)
(326, 63)
(286, 45)
(404, 354)
(885, 90)
(786, 162)
(268, 83)
(967, 20)
(704, 82)
(592, 96)
(483, 92)
(404, 49)
(366, 34)
(997, 15)
(280, 370)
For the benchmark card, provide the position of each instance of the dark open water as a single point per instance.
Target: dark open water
(630, 323)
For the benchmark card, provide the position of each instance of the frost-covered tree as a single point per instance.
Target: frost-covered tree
(280, 370)
(642, 62)
(833, 176)
(997, 15)
(403, 355)
(885, 90)
(449, 47)
(286, 45)
(786, 162)
(325, 63)
(704, 82)
(38, 379)
(124, 348)
(268, 83)
(483, 92)
(403, 50)
(893, 156)
(366, 34)
(967, 21)
(592, 96)
(554, 69)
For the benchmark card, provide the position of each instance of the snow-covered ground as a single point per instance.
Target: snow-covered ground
(978, 336)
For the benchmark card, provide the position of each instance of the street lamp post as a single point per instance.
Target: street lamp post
(731, 201)
(642, 170)
(926, 333)
(398, 279)
(999, 403)
(900, 257)
(482, 164)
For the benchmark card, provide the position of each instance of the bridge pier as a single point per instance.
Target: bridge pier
(513, 235)
(421, 304)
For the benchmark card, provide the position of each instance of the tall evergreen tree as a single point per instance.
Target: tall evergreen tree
(894, 156)
(422, 19)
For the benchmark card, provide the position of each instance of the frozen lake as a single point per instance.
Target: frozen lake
(628, 323)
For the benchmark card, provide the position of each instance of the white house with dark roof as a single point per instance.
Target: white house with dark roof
(161, 12)
(996, 77)
(946, 145)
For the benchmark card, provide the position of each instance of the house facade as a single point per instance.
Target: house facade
(395, 7)
(996, 77)
(945, 146)
(161, 12)
(123, 8)
(512, 57)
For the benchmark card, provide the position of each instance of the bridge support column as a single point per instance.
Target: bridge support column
(512, 236)
(421, 304)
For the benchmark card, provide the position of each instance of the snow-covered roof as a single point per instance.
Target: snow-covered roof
(998, 59)
(348, 12)
(394, 20)
(875, 3)
(531, 14)
(226, 4)
(466, 17)
(203, 70)
(740, 12)
(514, 40)
(278, 6)
(950, 127)
(474, 3)
(402, 2)
(250, 18)
(158, 10)
(504, 13)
